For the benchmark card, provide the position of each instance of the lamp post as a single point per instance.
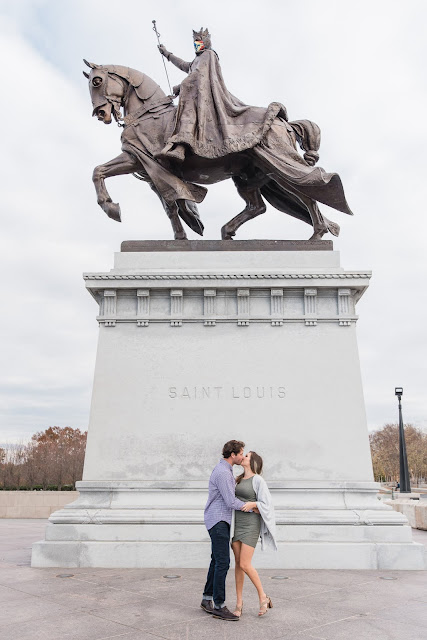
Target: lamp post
(405, 485)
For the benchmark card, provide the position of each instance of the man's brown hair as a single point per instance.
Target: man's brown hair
(232, 446)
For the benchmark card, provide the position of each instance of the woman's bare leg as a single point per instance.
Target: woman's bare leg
(239, 574)
(246, 553)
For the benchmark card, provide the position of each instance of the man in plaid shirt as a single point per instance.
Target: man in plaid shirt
(218, 513)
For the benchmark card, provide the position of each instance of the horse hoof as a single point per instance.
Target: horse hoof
(112, 209)
(317, 235)
(227, 235)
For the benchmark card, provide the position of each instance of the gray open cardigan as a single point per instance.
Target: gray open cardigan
(266, 509)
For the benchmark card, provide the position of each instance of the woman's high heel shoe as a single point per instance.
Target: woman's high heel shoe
(238, 610)
(264, 606)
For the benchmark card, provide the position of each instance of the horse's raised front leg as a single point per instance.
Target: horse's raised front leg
(124, 163)
(254, 207)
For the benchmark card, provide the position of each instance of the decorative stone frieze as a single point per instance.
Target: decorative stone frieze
(214, 306)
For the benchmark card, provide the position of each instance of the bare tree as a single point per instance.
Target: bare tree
(53, 457)
(385, 452)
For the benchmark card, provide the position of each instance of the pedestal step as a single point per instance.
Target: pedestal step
(185, 554)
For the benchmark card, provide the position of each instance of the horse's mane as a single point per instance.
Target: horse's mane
(144, 86)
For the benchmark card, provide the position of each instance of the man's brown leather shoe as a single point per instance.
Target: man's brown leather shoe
(207, 605)
(224, 614)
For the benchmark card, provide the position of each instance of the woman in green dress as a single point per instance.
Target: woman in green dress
(249, 526)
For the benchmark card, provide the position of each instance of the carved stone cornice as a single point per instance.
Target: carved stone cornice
(348, 275)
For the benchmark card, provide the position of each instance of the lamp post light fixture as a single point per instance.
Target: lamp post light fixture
(405, 485)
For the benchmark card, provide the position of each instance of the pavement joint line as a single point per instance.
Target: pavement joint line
(406, 623)
(155, 635)
(173, 624)
(198, 619)
(151, 633)
(122, 624)
(27, 593)
(411, 622)
(328, 624)
(316, 593)
(354, 584)
(178, 604)
(87, 581)
(9, 624)
(108, 586)
(121, 635)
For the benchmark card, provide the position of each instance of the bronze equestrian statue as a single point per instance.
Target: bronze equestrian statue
(211, 136)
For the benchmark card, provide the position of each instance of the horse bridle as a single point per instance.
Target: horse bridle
(116, 104)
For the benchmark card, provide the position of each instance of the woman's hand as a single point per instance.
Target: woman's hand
(249, 506)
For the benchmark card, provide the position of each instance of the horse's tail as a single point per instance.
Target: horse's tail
(187, 211)
(308, 136)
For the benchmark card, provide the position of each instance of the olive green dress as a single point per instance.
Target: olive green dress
(247, 525)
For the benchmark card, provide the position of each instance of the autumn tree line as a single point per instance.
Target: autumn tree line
(385, 453)
(53, 459)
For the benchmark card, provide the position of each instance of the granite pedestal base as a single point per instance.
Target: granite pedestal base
(200, 344)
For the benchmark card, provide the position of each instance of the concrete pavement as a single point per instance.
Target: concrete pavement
(142, 604)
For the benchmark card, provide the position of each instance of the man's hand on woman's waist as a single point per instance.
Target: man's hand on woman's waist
(249, 506)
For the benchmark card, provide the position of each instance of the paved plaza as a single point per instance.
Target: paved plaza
(142, 604)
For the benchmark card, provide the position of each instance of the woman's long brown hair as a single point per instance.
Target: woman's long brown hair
(255, 464)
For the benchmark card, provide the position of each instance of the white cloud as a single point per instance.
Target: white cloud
(356, 69)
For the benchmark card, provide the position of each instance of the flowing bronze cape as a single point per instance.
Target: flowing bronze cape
(212, 123)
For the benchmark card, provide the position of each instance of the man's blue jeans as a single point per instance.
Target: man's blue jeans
(220, 563)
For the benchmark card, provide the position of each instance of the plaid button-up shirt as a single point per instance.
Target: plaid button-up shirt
(222, 500)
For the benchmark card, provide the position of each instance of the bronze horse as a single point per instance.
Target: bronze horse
(272, 170)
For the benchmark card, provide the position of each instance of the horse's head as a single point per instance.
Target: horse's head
(113, 86)
(106, 91)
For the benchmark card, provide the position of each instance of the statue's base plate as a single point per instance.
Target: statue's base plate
(226, 245)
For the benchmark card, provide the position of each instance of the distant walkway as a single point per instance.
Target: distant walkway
(141, 604)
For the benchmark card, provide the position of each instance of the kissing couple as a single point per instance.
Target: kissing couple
(249, 498)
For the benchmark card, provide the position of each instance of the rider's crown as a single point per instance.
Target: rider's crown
(204, 37)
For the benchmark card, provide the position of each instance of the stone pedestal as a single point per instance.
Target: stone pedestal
(201, 342)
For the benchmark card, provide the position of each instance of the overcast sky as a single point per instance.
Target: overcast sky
(355, 68)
